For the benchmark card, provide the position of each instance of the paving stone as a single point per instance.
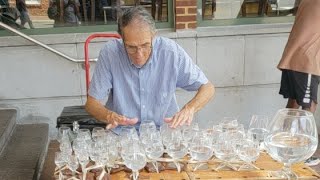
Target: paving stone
(7, 123)
(25, 150)
(12, 174)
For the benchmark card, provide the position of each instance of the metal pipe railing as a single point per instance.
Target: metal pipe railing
(86, 53)
(86, 48)
(41, 44)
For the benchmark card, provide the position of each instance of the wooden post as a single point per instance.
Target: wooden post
(93, 10)
(84, 8)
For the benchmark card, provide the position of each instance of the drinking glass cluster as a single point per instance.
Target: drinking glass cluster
(228, 141)
(78, 148)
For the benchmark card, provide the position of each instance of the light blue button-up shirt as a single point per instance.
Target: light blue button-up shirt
(147, 92)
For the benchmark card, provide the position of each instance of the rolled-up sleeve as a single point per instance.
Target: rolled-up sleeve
(190, 76)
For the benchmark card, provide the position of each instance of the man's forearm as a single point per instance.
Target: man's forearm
(203, 96)
(98, 111)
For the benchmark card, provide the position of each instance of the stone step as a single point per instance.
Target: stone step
(25, 152)
(7, 124)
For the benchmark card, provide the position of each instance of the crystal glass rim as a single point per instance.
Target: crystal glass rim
(285, 110)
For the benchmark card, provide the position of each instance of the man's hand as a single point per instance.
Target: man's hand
(180, 118)
(116, 119)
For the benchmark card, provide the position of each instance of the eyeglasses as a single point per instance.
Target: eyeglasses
(134, 49)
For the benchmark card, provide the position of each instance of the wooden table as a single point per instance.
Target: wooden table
(265, 163)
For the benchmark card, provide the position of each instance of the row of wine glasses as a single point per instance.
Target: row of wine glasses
(290, 137)
(102, 147)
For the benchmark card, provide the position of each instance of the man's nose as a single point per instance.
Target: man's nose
(139, 51)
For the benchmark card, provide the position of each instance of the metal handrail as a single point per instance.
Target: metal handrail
(86, 48)
(42, 45)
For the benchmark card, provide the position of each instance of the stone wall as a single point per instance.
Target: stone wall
(239, 60)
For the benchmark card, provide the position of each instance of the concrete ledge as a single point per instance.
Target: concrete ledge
(25, 151)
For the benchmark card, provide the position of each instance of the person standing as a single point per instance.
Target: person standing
(70, 12)
(300, 62)
(24, 15)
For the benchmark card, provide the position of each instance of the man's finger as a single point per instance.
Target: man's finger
(112, 125)
(168, 120)
(132, 121)
(182, 123)
(189, 120)
(176, 121)
(109, 126)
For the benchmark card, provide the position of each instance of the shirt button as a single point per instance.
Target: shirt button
(142, 89)
(143, 106)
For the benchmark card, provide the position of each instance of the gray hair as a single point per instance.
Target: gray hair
(135, 13)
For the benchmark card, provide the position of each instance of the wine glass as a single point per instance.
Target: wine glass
(147, 126)
(63, 132)
(229, 123)
(97, 132)
(154, 148)
(65, 145)
(188, 132)
(258, 128)
(83, 158)
(225, 150)
(60, 161)
(201, 148)
(292, 138)
(134, 157)
(177, 149)
(248, 152)
(73, 164)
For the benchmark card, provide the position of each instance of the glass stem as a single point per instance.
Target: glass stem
(84, 173)
(288, 171)
(102, 174)
(286, 167)
(109, 169)
(177, 165)
(155, 165)
(135, 175)
(60, 175)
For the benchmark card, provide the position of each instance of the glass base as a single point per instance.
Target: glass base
(247, 167)
(283, 174)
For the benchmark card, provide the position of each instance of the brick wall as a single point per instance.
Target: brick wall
(39, 10)
(186, 14)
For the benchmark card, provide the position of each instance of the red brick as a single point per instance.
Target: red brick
(180, 26)
(186, 3)
(186, 18)
(192, 10)
(192, 25)
(180, 10)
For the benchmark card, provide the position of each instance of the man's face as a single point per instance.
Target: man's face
(138, 42)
